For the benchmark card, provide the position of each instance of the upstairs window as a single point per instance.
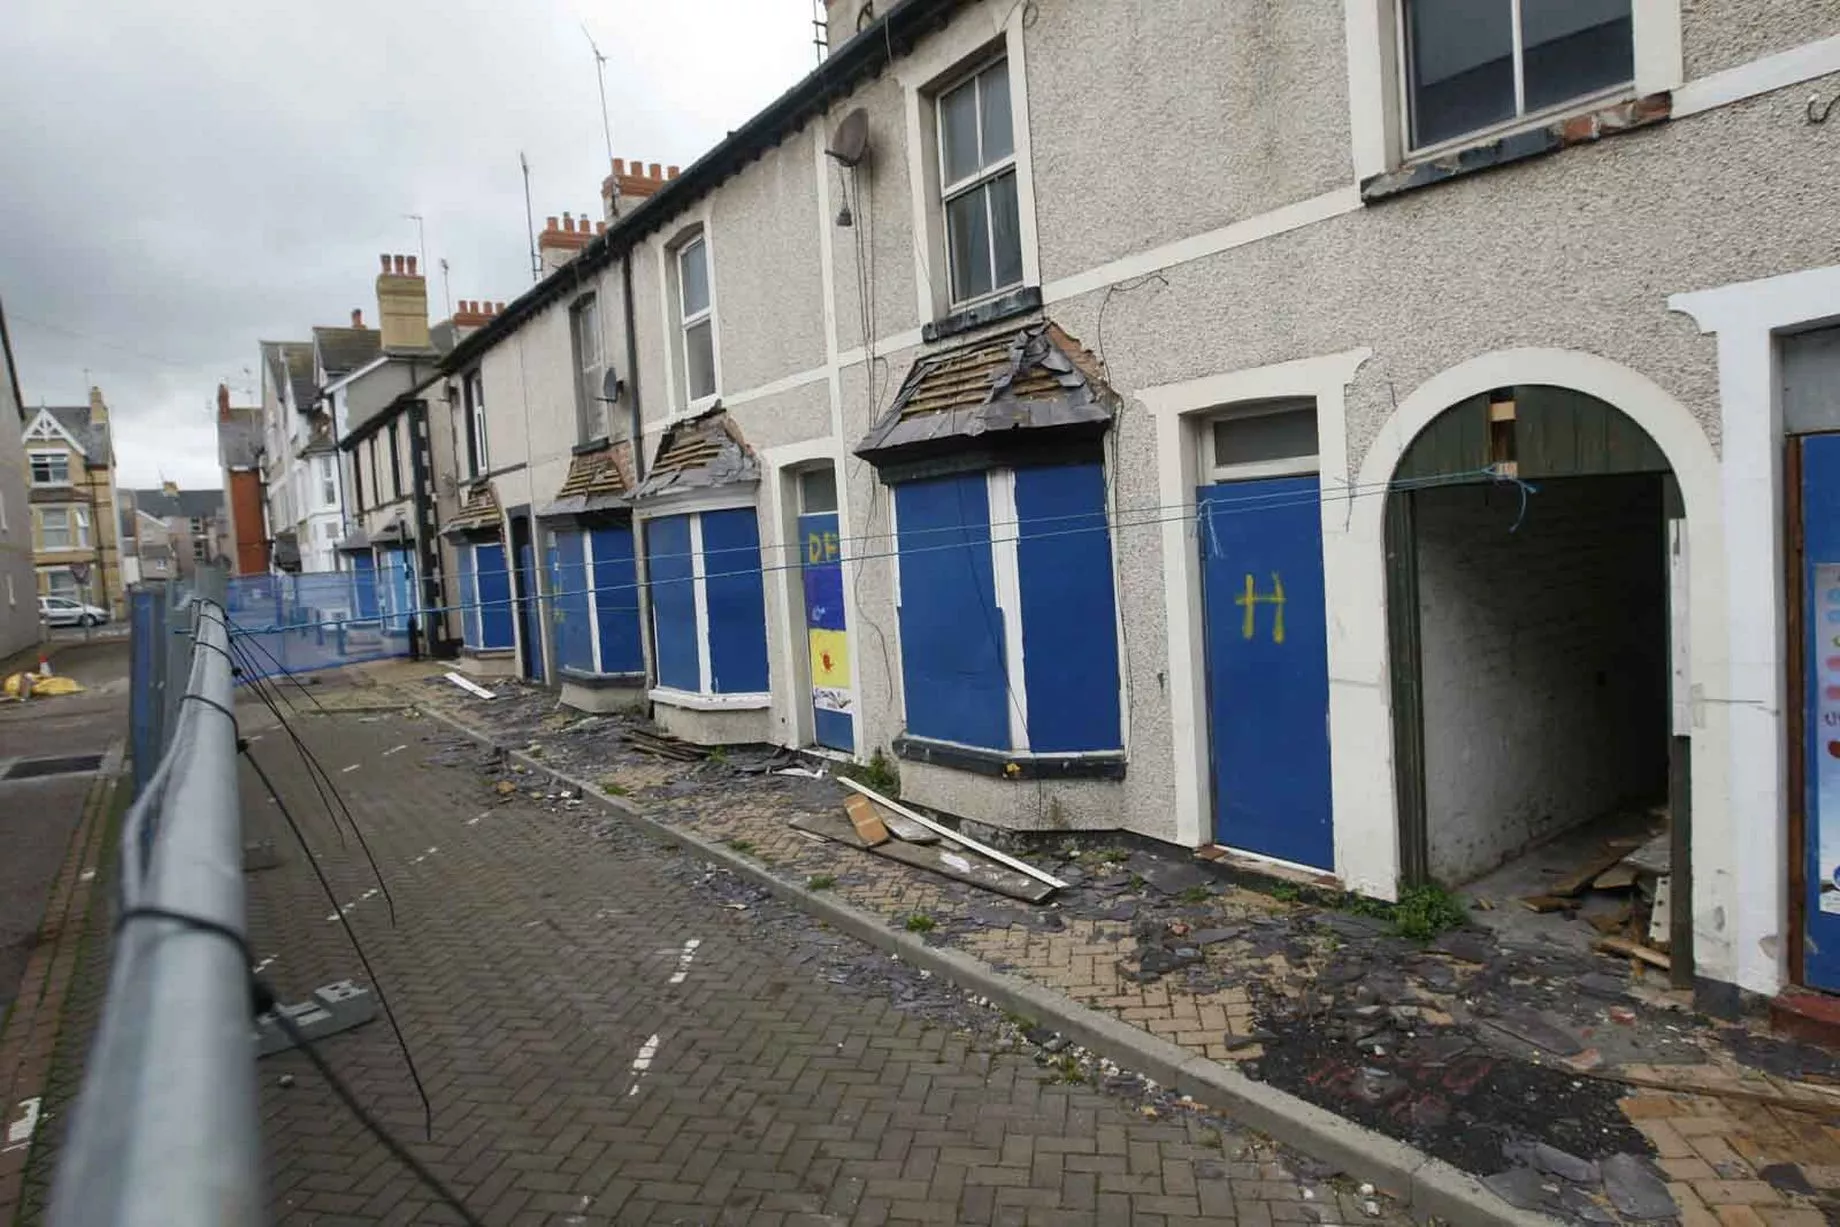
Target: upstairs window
(585, 340)
(1473, 65)
(63, 528)
(328, 483)
(473, 396)
(396, 482)
(50, 469)
(697, 312)
(977, 174)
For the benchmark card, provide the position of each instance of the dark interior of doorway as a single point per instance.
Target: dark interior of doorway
(1530, 630)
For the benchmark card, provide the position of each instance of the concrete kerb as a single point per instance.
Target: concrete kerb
(1430, 1187)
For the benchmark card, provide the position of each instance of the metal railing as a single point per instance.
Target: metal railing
(166, 1126)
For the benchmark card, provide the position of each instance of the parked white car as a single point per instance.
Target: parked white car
(63, 611)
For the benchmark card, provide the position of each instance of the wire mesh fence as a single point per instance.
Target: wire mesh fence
(319, 620)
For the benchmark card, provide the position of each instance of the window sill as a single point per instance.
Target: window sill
(599, 681)
(1019, 301)
(592, 445)
(691, 701)
(473, 653)
(1092, 765)
(1582, 129)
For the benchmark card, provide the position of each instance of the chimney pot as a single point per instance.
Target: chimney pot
(498, 309)
(619, 166)
(399, 266)
(386, 262)
(657, 171)
(670, 172)
(411, 266)
(357, 317)
(549, 224)
(600, 227)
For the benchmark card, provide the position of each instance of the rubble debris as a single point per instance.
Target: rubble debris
(1654, 857)
(469, 685)
(1521, 1187)
(1169, 877)
(1537, 1028)
(1465, 945)
(1620, 876)
(1587, 873)
(945, 858)
(663, 746)
(1635, 950)
(1541, 904)
(1636, 1190)
(947, 833)
(867, 822)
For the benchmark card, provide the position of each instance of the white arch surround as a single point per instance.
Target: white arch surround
(1358, 658)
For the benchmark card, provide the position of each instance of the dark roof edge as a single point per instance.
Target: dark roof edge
(867, 53)
(12, 372)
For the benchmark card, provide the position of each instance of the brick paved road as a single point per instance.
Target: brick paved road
(587, 1063)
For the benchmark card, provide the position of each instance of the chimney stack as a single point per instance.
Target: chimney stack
(223, 402)
(560, 240)
(475, 313)
(357, 317)
(98, 410)
(402, 304)
(630, 183)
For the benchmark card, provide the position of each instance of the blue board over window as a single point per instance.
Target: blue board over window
(736, 602)
(493, 579)
(1069, 620)
(616, 599)
(952, 659)
(568, 577)
(674, 628)
(469, 600)
(364, 586)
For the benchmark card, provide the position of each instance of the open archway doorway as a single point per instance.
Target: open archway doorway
(1533, 549)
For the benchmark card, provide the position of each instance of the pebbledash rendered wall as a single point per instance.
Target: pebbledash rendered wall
(1237, 261)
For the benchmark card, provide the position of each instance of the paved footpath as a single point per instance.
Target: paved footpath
(612, 1032)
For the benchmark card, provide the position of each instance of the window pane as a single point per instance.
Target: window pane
(1006, 230)
(693, 271)
(587, 335)
(818, 490)
(999, 136)
(1461, 66)
(1285, 435)
(700, 360)
(1574, 47)
(968, 243)
(958, 132)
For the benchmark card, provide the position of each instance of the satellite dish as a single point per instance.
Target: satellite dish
(612, 385)
(850, 143)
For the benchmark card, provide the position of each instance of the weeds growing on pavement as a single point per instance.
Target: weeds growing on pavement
(920, 922)
(879, 774)
(822, 881)
(743, 846)
(1423, 912)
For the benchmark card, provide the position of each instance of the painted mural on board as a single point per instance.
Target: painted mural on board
(1827, 773)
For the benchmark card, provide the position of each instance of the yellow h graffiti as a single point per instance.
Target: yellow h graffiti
(1252, 599)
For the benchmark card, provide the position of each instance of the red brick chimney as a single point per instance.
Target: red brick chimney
(223, 402)
(475, 313)
(631, 183)
(560, 241)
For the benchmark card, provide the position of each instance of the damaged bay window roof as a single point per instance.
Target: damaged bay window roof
(1026, 388)
(479, 516)
(597, 481)
(700, 454)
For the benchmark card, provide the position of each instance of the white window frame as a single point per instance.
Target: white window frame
(1284, 466)
(704, 699)
(1379, 124)
(53, 454)
(687, 321)
(1522, 119)
(590, 414)
(328, 481)
(76, 590)
(74, 527)
(949, 192)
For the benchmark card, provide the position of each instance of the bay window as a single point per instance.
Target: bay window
(595, 605)
(485, 596)
(709, 616)
(1006, 611)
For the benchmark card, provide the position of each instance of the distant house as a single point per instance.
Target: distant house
(239, 453)
(19, 626)
(70, 472)
(177, 529)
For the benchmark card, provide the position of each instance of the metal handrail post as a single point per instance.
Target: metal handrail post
(166, 1129)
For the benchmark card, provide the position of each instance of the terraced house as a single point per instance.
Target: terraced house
(1365, 438)
(70, 476)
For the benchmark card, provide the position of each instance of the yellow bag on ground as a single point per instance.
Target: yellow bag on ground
(36, 686)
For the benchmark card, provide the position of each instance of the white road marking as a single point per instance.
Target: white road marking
(642, 1063)
(19, 1133)
(424, 856)
(393, 750)
(683, 960)
(350, 769)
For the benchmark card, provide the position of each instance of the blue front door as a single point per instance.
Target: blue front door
(397, 589)
(1821, 708)
(364, 587)
(1267, 667)
(832, 688)
(529, 619)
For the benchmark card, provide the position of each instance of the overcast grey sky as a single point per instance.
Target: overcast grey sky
(182, 179)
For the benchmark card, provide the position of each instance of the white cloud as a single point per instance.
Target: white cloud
(181, 180)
